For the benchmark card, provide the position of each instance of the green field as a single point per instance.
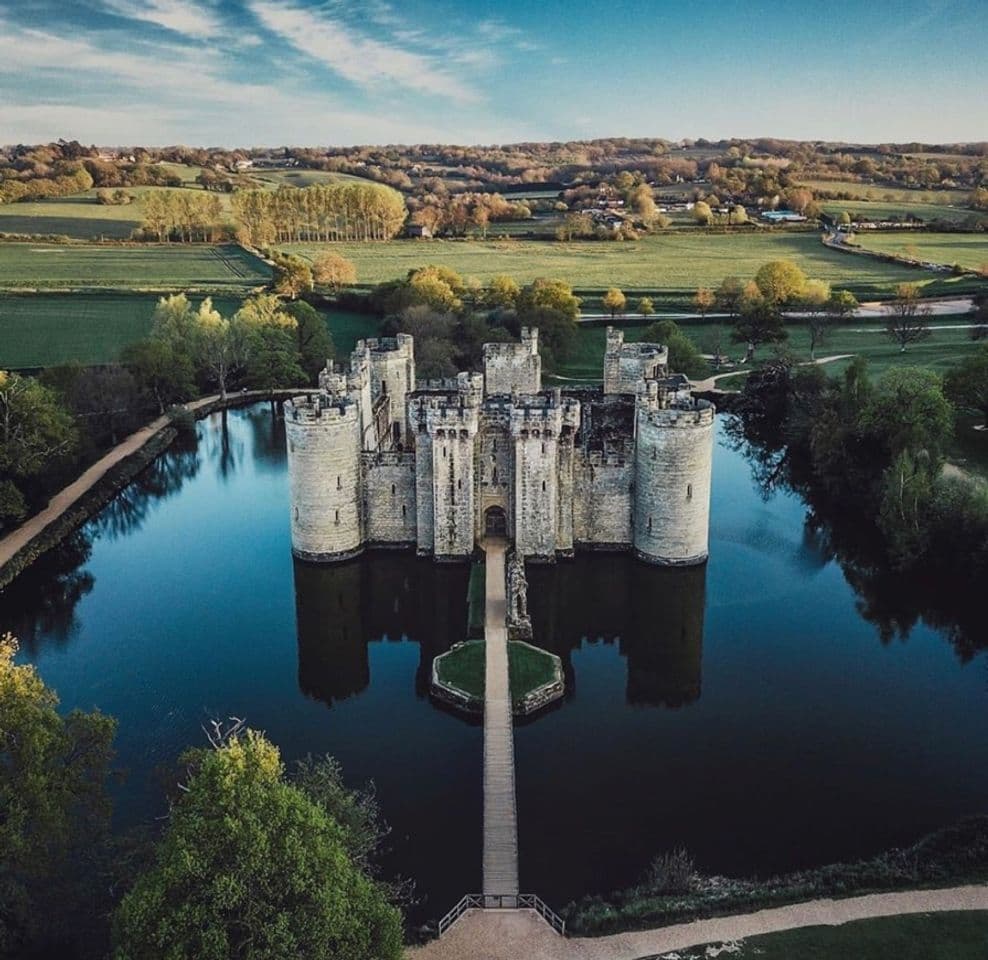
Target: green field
(942, 350)
(670, 265)
(923, 936)
(880, 210)
(80, 217)
(42, 330)
(876, 191)
(299, 178)
(970, 250)
(38, 266)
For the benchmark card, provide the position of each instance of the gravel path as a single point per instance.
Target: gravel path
(521, 935)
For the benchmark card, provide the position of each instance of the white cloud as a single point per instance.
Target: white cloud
(188, 17)
(362, 60)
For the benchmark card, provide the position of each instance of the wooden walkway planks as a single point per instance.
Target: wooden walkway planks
(500, 813)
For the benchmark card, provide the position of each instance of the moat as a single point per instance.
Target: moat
(745, 709)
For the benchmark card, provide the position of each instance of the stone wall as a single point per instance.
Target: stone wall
(389, 498)
(626, 365)
(672, 482)
(511, 368)
(602, 500)
(323, 436)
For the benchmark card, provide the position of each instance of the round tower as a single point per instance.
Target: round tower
(323, 434)
(673, 461)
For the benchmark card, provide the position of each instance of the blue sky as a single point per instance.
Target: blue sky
(270, 72)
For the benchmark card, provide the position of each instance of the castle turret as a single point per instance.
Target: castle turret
(511, 368)
(673, 461)
(323, 433)
(626, 365)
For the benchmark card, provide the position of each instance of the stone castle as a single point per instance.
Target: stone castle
(378, 459)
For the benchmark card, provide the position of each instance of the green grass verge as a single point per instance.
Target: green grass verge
(670, 265)
(40, 266)
(476, 600)
(42, 330)
(926, 936)
(464, 668)
(970, 250)
(942, 350)
(528, 669)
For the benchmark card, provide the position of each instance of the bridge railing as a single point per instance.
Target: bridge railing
(498, 901)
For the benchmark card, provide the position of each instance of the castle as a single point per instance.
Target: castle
(377, 459)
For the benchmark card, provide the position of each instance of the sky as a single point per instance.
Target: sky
(341, 72)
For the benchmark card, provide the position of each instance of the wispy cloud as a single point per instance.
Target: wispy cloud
(190, 18)
(368, 62)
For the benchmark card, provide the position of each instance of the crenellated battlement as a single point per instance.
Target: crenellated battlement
(403, 462)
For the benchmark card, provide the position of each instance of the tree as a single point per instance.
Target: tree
(333, 271)
(267, 336)
(966, 385)
(314, 341)
(759, 322)
(738, 215)
(502, 291)
(702, 213)
(728, 296)
(645, 306)
(780, 282)
(684, 357)
(907, 317)
(163, 374)
(35, 431)
(551, 306)
(615, 301)
(703, 300)
(814, 302)
(55, 815)
(220, 346)
(293, 276)
(251, 865)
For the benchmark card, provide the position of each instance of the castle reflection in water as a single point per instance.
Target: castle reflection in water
(653, 615)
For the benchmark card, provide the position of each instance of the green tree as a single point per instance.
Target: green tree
(728, 296)
(645, 306)
(907, 318)
(758, 323)
(314, 341)
(615, 301)
(293, 276)
(219, 345)
(54, 816)
(266, 335)
(162, 374)
(502, 291)
(551, 306)
(251, 866)
(781, 282)
(684, 357)
(814, 302)
(966, 384)
(35, 432)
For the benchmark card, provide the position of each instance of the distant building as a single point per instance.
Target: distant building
(783, 216)
(418, 230)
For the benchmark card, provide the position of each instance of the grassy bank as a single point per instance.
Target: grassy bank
(931, 936)
(970, 250)
(673, 892)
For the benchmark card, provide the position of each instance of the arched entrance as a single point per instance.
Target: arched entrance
(495, 522)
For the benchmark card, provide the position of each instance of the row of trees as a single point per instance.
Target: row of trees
(52, 425)
(183, 215)
(66, 180)
(323, 212)
(459, 214)
(253, 860)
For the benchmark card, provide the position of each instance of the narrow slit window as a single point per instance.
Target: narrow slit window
(337, 516)
(403, 511)
(392, 489)
(543, 486)
(649, 524)
(339, 483)
(689, 491)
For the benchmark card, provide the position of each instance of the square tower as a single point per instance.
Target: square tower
(511, 368)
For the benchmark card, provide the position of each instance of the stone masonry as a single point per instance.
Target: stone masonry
(378, 459)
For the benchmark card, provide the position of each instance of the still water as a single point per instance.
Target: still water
(747, 710)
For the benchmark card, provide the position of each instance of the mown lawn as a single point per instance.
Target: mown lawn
(464, 668)
(970, 250)
(943, 349)
(141, 266)
(528, 668)
(41, 330)
(671, 265)
(929, 936)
